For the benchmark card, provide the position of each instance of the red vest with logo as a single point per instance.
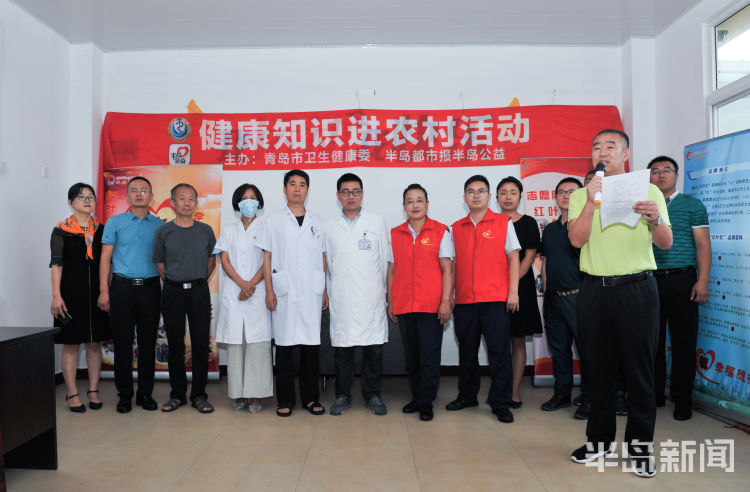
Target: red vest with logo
(481, 262)
(417, 278)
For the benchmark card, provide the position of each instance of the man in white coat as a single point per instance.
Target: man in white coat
(293, 241)
(357, 254)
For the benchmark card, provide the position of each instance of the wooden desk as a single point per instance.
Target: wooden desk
(27, 397)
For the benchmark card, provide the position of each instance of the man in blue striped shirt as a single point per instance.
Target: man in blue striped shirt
(681, 287)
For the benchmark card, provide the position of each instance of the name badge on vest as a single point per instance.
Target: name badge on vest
(364, 243)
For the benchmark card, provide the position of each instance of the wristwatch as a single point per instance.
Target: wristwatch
(656, 222)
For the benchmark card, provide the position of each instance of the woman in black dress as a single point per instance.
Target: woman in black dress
(527, 320)
(76, 246)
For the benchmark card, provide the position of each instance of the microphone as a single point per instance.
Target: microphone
(599, 172)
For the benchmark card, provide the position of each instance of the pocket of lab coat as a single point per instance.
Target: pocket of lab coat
(319, 283)
(280, 283)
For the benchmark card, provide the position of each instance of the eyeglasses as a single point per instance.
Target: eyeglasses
(346, 193)
(479, 192)
(86, 198)
(565, 192)
(666, 171)
(142, 191)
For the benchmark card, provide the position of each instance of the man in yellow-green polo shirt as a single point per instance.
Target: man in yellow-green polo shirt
(618, 308)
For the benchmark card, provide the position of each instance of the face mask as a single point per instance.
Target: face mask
(249, 207)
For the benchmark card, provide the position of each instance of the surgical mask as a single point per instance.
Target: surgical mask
(249, 207)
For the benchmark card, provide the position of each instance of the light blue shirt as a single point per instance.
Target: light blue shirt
(351, 223)
(133, 241)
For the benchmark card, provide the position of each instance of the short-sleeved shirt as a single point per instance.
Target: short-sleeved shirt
(511, 238)
(686, 213)
(562, 268)
(184, 250)
(133, 241)
(619, 249)
(445, 250)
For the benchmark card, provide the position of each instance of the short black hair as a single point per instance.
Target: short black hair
(297, 172)
(477, 177)
(345, 178)
(664, 158)
(621, 133)
(241, 189)
(568, 180)
(590, 173)
(76, 189)
(415, 186)
(173, 191)
(136, 178)
(509, 179)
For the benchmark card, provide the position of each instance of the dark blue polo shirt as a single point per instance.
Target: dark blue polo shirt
(563, 272)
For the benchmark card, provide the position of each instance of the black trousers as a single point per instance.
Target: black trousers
(422, 334)
(308, 375)
(620, 324)
(561, 328)
(471, 321)
(195, 304)
(372, 370)
(681, 314)
(132, 306)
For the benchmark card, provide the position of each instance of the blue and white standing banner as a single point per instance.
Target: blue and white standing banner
(717, 172)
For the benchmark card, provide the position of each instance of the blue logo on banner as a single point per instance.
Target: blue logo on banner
(179, 129)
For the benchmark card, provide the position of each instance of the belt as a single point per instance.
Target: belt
(134, 281)
(186, 284)
(615, 280)
(563, 293)
(671, 272)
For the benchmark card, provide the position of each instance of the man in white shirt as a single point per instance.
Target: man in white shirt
(357, 250)
(293, 241)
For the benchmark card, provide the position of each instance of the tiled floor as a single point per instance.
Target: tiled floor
(466, 450)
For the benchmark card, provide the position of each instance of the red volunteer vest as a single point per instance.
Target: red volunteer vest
(481, 262)
(417, 278)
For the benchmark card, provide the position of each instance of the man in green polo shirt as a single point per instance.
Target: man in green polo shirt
(618, 308)
(681, 287)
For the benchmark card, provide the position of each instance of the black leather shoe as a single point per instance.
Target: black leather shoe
(425, 414)
(683, 411)
(459, 404)
(556, 403)
(124, 405)
(503, 415)
(410, 407)
(146, 402)
(579, 400)
(582, 412)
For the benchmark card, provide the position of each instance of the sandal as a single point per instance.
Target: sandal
(313, 405)
(79, 409)
(239, 404)
(94, 405)
(202, 405)
(172, 405)
(254, 408)
(284, 414)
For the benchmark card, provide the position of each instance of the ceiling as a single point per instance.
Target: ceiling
(165, 24)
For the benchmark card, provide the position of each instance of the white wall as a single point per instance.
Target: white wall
(681, 85)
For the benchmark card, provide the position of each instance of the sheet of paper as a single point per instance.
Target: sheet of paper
(619, 194)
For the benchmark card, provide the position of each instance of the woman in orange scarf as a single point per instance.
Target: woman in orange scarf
(76, 245)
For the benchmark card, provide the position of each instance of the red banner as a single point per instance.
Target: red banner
(348, 138)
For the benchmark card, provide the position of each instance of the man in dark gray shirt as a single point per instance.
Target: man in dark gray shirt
(182, 253)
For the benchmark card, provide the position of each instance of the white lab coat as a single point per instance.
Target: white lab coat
(357, 266)
(297, 274)
(252, 314)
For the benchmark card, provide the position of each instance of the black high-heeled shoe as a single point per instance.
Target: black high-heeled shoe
(79, 409)
(93, 405)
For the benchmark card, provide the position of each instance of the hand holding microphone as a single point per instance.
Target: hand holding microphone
(599, 172)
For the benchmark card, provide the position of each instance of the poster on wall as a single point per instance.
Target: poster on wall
(717, 172)
(207, 180)
(539, 178)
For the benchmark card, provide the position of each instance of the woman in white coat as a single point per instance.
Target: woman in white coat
(244, 321)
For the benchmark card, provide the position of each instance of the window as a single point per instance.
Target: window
(728, 103)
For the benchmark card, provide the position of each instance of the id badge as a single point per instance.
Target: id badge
(365, 244)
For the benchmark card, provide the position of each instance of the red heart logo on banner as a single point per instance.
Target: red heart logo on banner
(702, 363)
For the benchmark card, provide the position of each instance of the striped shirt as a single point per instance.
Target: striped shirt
(685, 213)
